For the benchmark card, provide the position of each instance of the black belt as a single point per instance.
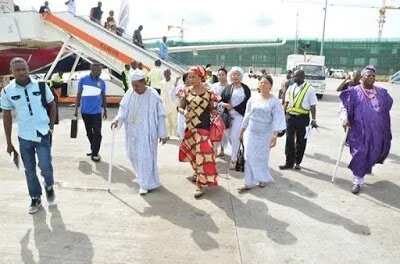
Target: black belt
(300, 115)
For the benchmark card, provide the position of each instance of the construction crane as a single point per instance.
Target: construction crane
(181, 29)
(382, 17)
(382, 10)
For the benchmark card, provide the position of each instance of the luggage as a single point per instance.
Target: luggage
(74, 128)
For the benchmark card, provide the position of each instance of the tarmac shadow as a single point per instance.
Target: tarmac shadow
(251, 215)
(283, 193)
(383, 191)
(325, 158)
(55, 242)
(331, 98)
(168, 206)
(394, 158)
(120, 174)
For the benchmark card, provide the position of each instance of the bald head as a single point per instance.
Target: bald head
(299, 77)
(19, 69)
(167, 74)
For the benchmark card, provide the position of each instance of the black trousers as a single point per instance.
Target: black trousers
(93, 131)
(295, 138)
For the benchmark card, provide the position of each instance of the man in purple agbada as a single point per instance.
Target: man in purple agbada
(366, 112)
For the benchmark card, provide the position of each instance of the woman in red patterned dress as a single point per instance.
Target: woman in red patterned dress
(196, 147)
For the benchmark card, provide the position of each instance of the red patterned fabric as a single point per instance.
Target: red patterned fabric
(217, 129)
(197, 149)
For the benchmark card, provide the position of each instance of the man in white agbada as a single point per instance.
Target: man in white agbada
(170, 102)
(142, 113)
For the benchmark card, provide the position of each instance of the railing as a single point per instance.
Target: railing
(129, 38)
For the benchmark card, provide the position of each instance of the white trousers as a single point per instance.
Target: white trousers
(234, 134)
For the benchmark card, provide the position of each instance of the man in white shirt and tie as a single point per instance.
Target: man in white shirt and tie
(300, 100)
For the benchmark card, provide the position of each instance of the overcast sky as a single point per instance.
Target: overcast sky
(249, 19)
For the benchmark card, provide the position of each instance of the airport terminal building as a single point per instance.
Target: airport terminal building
(340, 54)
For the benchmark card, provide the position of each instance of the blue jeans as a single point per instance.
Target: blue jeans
(29, 150)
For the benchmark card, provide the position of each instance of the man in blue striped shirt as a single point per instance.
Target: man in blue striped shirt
(91, 98)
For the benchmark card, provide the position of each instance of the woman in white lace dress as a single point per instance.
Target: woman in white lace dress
(263, 120)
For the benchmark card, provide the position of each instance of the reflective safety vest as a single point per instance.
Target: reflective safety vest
(297, 106)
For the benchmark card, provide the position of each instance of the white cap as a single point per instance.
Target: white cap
(137, 75)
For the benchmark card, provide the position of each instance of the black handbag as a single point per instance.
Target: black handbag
(226, 117)
(240, 159)
(225, 113)
(74, 128)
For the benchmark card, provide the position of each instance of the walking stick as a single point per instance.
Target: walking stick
(340, 154)
(110, 165)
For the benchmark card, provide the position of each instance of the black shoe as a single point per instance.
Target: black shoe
(50, 195)
(297, 167)
(285, 167)
(356, 188)
(36, 204)
(89, 154)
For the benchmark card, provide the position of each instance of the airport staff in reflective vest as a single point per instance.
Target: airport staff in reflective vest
(300, 100)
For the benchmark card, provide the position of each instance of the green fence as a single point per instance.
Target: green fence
(343, 54)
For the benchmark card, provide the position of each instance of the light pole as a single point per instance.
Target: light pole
(323, 29)
(297, 33)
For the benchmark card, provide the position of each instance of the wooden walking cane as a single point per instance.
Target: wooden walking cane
(110, 164)
(340, 154)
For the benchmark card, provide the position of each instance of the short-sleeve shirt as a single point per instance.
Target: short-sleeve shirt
(163, 51)
(310, 98)
(31, 115)
(91, 94)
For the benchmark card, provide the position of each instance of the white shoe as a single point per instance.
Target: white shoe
(143, 191)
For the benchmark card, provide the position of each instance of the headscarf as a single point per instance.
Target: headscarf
(368, 69)
(199, 71)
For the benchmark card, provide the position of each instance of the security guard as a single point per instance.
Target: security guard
(300, 100)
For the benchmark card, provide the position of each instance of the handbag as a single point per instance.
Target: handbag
(74, 128)
(225, 113)
(240, 159)
(226, 118)
(217, 129)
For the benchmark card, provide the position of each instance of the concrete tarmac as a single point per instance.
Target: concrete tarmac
(300, 218)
